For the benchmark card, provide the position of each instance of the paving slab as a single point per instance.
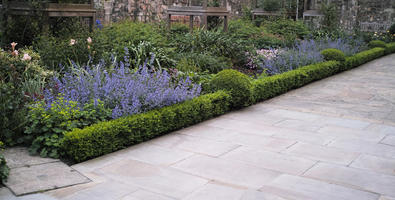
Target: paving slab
(145, 195)
(270, 160)
(20, 157)
(194, 144)
(37, 178)
(375, 163)
(362, 179)
(216, 191)
(350, 133)
(322, 153)
(232, 172)
(389, 140)
(301, 188)
(363, 146)
(162, 180)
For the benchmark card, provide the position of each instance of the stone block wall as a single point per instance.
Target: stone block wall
(351, 12)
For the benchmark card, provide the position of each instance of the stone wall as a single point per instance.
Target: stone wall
(351, 12)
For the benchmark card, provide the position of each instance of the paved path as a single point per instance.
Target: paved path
(331, 140)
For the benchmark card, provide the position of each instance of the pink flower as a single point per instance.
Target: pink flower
(72, 42)
(89, 40)
(15, 53)
(13, 44)
(26, 57)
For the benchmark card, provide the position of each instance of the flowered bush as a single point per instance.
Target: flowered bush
(307, 52)
(123, 90)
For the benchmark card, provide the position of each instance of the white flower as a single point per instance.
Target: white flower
(89, 40)
(72, 42)
(26, 57)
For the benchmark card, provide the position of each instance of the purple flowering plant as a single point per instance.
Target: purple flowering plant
(126, 91)
(304, 53)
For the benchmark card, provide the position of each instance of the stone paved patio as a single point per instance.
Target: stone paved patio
(331, 140)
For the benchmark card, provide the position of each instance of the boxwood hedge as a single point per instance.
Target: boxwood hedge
(109, 136)
(106, 137)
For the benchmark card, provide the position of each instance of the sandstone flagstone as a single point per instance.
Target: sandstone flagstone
(362, 179)
(301, 188)
(231, 172)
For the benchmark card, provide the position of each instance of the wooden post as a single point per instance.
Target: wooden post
(297, 10)
(191, 22)
(225, 23)
(204, 21)
(169, 21)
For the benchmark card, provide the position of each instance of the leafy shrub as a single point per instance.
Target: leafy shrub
(4, 169)
(114, 38)
(204, 62)
(21, 81)
(390, 48)
(214, 43)
(238, 84)
(269, 87)
(269, 5)
(106, 137)
(179, 28)
(290, 30)
(333, 54)
(252, 35)
(377, 43)
(46, 125)
(123, 90)
(363, 57)
(391, 30)
(69, 43)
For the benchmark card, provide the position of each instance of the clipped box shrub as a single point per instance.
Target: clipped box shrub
(390, 48)
(377, 43)
(109, 136)
(278, 84)
(238, 84)
(363, 57)
(333, 54)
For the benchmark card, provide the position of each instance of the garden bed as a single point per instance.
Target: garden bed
(106, 137)
(78, 95)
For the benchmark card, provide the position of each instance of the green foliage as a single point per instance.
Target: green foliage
(57, 49)
(272, 86)
(114, 38)
(390, 48)
(202, 62)
(252, 35)
(377, 43)
(363, 57)
(330, 20)
(333, 54)
(269, 5)
(288, 29)
(106, 137)
(179, 28)
(45, 126)
(4, 169)
(238, 84)
(391, 30)
(20, 81)
(214, 43)
(27, 27)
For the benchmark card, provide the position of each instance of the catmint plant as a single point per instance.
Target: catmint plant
(126, 91)
(304, 53)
